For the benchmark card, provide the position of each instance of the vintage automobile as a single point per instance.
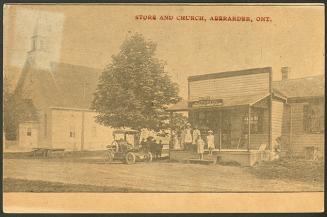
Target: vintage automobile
(125, 147)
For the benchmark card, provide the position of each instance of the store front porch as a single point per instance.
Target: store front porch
(238, 157)
(241, 127)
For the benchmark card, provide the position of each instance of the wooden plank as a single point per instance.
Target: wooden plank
(230, 74)
(230, 86)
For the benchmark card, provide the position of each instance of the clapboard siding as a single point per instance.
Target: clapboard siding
(297, 118)
(299, 142)
(227, 87)
(286, 128)
(300, 139)
(277, 112)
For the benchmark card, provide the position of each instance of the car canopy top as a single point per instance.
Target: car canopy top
(123, 131)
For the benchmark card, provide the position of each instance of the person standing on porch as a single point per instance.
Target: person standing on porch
(182, 138)
(176, 140)
(210, 141)
(188, 137)
(200, 147)
(196, 136)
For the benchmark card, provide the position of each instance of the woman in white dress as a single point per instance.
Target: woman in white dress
(196, 136)
(176, 141)
(210, 141)
(200, 147)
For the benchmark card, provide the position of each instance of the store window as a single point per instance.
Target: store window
(313, 118)
(256, 122)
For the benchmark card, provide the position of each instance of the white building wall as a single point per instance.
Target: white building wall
(276, 120)
(96, 136)
(28, 135)
(67, 130)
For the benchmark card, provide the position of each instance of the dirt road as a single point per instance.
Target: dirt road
(155, 176)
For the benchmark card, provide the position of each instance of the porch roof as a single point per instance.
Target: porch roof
(230, 102)
(180, 106)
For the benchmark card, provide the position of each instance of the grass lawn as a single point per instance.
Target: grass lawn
(290, 169)
(23, 185)
(92, 175)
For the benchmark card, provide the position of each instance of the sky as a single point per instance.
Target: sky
(90, 34)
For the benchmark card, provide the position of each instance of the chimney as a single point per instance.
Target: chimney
(285, 72)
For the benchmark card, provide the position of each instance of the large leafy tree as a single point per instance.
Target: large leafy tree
(134, 90)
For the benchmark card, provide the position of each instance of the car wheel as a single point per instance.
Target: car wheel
(109, 157)
(148, 157)
(130, 158)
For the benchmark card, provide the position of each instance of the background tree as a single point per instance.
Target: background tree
(15, 109)
(134, 90)
(8, 125)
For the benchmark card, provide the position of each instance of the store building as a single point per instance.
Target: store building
(225, 102)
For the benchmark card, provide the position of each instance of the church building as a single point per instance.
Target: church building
(58, 97)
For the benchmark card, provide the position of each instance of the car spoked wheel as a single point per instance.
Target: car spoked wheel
(108, 157)
(130, 158)
(148, 157)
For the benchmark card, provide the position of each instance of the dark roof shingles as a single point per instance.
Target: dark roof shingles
(66, 85)
(312, 86)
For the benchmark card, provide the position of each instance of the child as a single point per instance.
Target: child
(210, 141)
(200, 148)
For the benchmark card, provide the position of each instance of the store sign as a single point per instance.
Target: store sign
(207, 103)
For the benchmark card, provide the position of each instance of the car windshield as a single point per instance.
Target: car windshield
(130, 137)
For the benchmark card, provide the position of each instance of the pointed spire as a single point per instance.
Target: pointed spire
(42, 27)
(36, 27)
(40, 53)
(40, 33)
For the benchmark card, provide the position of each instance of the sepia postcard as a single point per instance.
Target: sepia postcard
(163, 108)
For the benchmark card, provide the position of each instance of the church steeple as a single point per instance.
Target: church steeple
(39, 53)
(39, 38)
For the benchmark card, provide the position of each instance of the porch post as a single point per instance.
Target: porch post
(171, 128)
(220, 128)
(82, 133)
(270, 123)
(290, 128)
(249, 128)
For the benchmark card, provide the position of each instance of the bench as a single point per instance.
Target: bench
(47, 152)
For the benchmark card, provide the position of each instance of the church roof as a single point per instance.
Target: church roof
(65, 85)
(76, 84)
